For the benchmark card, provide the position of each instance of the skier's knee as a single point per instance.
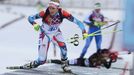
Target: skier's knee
(61, 44)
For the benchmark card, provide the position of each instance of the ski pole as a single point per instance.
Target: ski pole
(108, 32)
(94, 34)
(75, 41)
(106, 27)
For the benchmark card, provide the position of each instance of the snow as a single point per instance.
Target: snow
(50, 70)
(18, 42)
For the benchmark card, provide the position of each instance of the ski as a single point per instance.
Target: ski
(70, 71)
(15, 67)
(25, 66)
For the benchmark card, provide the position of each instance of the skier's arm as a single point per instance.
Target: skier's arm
(74, 20)
(32, 18)
(87, 21)
(91, 19)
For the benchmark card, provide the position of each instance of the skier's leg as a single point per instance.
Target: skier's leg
(63, 49)
(72, 62)
(60, 41)
(79, 62)
(54, 47)
(44, 42)
(88, 42)
(98, 40)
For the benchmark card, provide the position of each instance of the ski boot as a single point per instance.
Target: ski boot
(65, 66)
(33, 64)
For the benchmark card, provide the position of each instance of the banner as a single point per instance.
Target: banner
(129, 25)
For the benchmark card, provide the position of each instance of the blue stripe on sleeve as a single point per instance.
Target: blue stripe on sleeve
(79, 23)
(32, 18)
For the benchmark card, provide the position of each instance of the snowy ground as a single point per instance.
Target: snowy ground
(53, 69)
(18, 41)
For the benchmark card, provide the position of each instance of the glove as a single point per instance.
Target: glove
(85, 35)
(36, 27)
(99, 24)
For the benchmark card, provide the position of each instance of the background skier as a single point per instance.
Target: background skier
(94, 21)
(103, 58)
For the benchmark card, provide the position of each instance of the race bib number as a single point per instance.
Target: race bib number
(52, 28)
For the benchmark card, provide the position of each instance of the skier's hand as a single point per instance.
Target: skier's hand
(99, 23)
(84, 34)
(36, 27)
(104, 23)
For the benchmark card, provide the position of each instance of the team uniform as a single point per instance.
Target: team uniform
(50, 31)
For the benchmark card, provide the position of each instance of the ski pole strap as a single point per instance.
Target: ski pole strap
(74, 40)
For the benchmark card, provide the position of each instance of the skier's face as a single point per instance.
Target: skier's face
(52, 10)
(97, 10)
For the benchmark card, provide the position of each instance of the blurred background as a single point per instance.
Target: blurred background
(19, 41)
(107, 4)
